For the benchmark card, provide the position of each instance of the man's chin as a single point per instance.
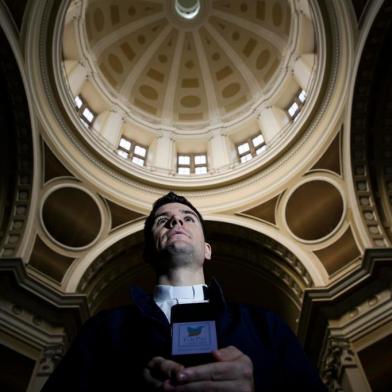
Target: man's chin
(178, 248)
(178, 243)
(177, 253)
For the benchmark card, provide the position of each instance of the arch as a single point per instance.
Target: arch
(366, 129)
(254, 262)
(19, 149)
(79, 268)
(311, 264)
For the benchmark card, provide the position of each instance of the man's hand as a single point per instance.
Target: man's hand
(232, 371)
(160, 369)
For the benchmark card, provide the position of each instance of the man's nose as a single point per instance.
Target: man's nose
(175, 220)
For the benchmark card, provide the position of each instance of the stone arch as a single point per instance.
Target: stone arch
(371, 135)
(16, 151)
(252, 267)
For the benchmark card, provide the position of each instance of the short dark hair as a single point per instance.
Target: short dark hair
(170, 197)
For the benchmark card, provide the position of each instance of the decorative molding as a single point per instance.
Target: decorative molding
(21, 129)
(51, 356)
(279, 264)
(338, 356)
(336, 18)
(45, 303)
(37, 320)
(355, 322)
(331, 308)
(362, 133)
(108, 254)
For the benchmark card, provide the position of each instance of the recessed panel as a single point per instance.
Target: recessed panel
(71, 217)
(314, 210)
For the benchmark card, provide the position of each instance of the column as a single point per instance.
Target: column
(218, 151)
(51, 356)
(271, 120)
(302, 68)
(111, 126)
(163, 155)
(76, 78)
(340, 370)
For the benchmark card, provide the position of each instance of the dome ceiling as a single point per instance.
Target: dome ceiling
(164, 67)
(190, 96)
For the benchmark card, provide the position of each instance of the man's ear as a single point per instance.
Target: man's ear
(207, 251)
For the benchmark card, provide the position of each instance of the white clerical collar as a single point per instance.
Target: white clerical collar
(166, 292)
(166, 296)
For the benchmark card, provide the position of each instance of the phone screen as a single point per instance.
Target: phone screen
(193, 333)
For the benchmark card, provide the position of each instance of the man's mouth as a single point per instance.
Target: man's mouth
(177, 233)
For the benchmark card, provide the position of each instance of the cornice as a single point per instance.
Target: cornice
(48, 303)
(323, 304)
(21, 146)
(361, 126)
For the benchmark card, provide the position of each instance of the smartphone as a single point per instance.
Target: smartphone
(194, 335)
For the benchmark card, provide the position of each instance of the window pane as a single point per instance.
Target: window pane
(184, 159)
(201, 170)
(246, 157)
(261, 149)
(200, 159)
(138, 161)
(78, 102)
(140, 151)
(88, 115)
(258, 140)
(243, 148)
(302, 96)
(184, 170)
(122, 153)
(126, 144)
(293, 109)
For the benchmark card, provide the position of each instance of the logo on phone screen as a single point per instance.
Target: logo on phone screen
(194, 337)
(194, 331)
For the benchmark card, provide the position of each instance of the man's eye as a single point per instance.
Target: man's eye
(189, 219)
(161, 221)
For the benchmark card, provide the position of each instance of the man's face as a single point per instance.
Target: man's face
(177, 231)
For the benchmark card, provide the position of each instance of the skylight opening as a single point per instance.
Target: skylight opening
(78, 102)
(200, 159)
(296, 104)
(258, 140)
(261, 149)
(141, 151)
(293, 109)
(138, 161)
(302, 96)
(86, 115)
(129, 149)
(125, 144)
(184, 160)
(184, 170)
(122, 154)
(187, 9)
(201, 170)
(242, 148)
(192, 164)
(251, 147)
(246, 158)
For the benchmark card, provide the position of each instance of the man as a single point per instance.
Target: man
(128, 349)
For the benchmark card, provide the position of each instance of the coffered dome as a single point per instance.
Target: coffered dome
(187, 72)
(188, 87)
